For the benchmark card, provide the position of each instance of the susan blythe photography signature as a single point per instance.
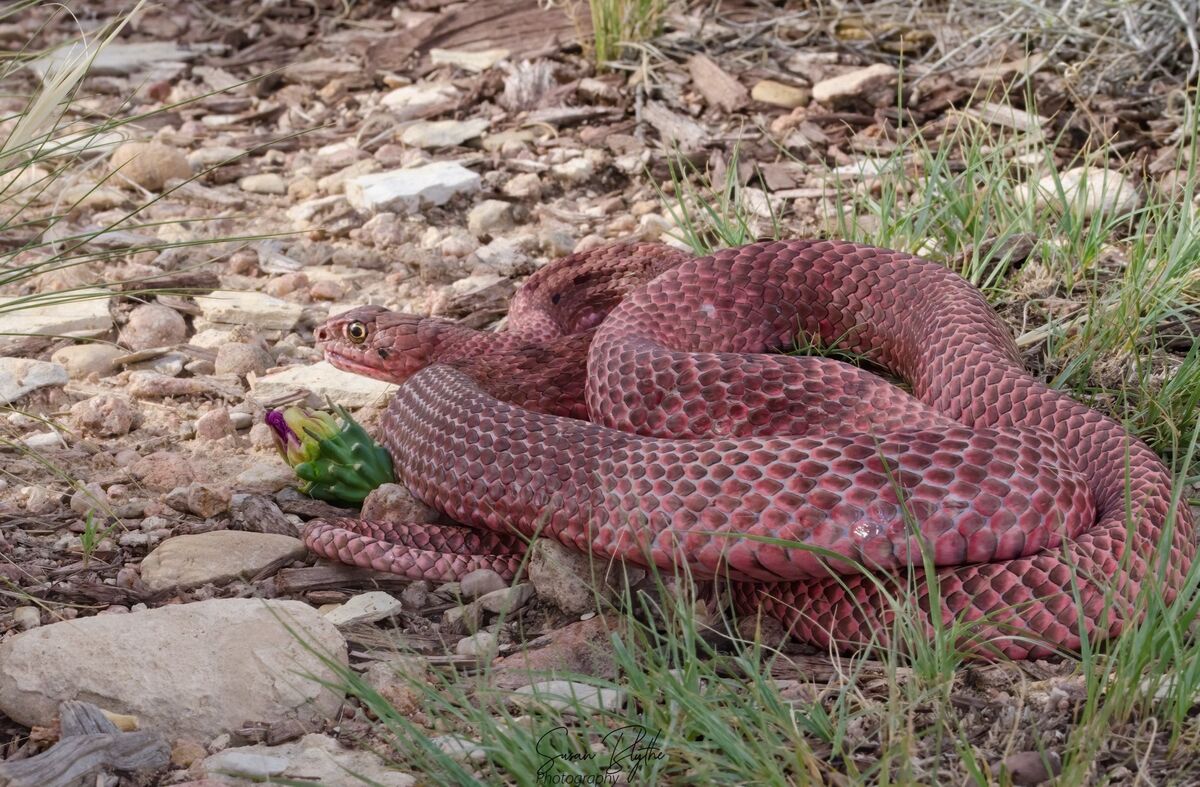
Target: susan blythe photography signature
(623, 751)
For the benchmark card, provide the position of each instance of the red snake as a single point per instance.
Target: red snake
(785, 474)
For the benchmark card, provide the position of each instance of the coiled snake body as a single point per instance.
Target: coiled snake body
(703, 446)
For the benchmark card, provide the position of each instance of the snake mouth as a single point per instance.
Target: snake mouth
(349, 364)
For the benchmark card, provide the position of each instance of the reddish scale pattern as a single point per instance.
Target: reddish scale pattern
(491, 464)
(701, 440)
(432, 552)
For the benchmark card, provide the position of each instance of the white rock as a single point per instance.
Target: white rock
(768, 91)
(302, 214)
(206, 157)
(85, 143)
(325, 380)
(40, 441)
(83, 318)
(80, 360)
(568, 695)
(761, 204)
(863, 83)
(507, 255)
(468, 61)
(246, 762)
(482, 644)
(116, 58)
(150, 165)
(364, 608)
(1086, 192)
(526, 185)
(87, 195)
(482, 581)
(211, 338)
(506, 600)
(563, 576)
(1009, 117)
(27, 176)
(241, 359)
(263, 183)
(217, 556)
(153, 325)
(106, 415)
(578, 170)
(322, 70)
(27, 618)
(420, 95)
(473, 292)
(490, 217)
(187, 670)
(267, 475)
(460, 748)
(442, 133)
(410, 189)
(249, 308)
(314, 759)
(19, 376)
(864, 167)
(652, 226)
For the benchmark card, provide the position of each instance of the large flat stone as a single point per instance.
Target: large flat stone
(250, 308)
(19, 376)
(412, 188)
(82, 318)
(863, 83)
(442, 133)
(325, 380)
(218, 556)
(569, 695)
(188, 670)
(422, 94)
(116, 59)
(1086, 191)
(314, 759)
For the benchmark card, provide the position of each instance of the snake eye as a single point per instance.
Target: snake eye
(357, 332)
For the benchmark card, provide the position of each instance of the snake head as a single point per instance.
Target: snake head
(379, 343)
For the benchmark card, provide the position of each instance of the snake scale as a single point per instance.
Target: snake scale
(637, 407)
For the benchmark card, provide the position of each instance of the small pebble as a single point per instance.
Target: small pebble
(287, 284)
(482, 644)
(27, 617)
(507, 600)
(241, 359)
(153, 325)
(89, 499)
(214, 425)
(327, 290)
(1030, 768)
(415, 596)
(105, 415)
(263, 183)
(244, 262)
(480, 582)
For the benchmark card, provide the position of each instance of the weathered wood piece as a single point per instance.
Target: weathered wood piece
(90, 743)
